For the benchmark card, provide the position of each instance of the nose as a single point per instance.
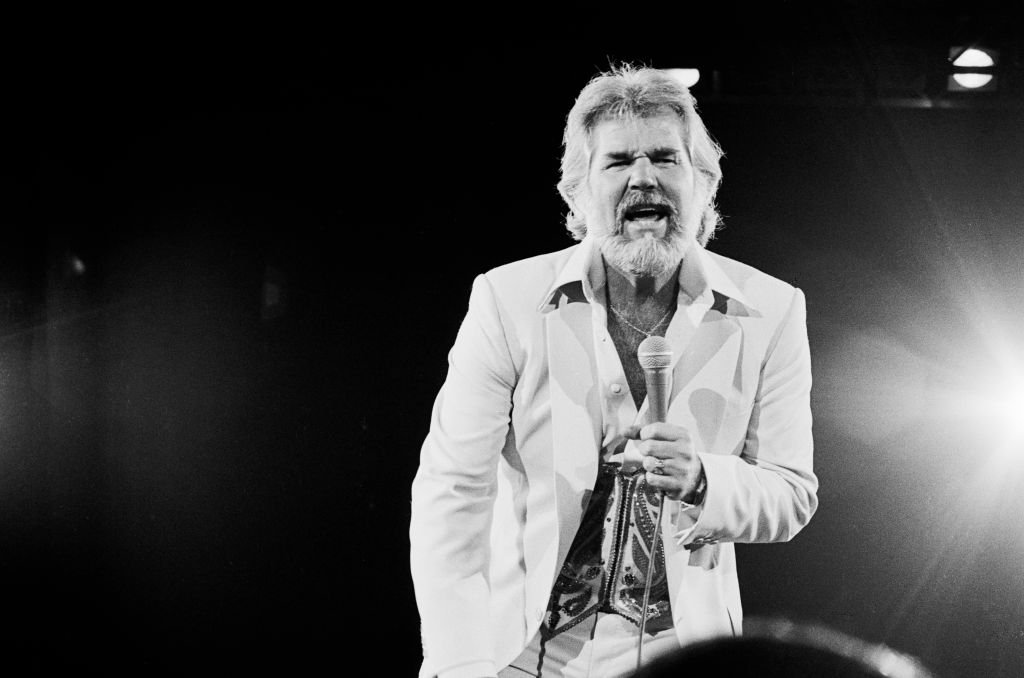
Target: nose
(642, 174)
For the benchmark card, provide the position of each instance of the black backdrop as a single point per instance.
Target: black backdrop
(238, 248)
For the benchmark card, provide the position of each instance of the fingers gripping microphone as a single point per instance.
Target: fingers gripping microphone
(655, 356)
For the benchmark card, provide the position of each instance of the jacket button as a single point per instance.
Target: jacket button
(616, 389)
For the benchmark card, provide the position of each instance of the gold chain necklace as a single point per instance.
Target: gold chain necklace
(646, 333)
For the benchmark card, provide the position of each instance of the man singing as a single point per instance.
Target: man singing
(545, 481)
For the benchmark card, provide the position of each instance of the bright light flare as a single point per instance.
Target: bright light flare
(991, 409)
(875, 388)
(687, 76)
(1006, 412)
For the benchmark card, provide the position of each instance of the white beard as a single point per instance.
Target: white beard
(646, 256)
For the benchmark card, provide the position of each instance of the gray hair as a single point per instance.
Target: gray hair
(628, 91)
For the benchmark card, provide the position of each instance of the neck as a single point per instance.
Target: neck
(631, 289)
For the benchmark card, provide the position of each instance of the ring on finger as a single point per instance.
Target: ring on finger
(659, 467)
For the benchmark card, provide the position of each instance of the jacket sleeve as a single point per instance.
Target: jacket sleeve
(768, 492)
(453, 493)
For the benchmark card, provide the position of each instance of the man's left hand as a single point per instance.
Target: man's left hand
(669, 458)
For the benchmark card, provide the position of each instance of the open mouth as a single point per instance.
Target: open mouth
(646, 214)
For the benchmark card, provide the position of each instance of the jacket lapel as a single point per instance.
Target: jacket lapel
(575, 413)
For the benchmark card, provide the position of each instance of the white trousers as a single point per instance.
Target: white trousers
(602, 646)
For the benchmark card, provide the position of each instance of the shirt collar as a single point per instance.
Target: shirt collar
(582, 277)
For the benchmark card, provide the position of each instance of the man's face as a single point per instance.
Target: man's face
(644, 202)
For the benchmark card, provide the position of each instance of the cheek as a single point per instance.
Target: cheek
(605, 195)
(682, 191)
(611, 201)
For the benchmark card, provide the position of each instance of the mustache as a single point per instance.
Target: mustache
(640, 199)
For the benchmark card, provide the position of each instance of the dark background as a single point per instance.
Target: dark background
(237, 249)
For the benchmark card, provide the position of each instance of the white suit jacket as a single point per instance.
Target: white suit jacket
(516, 432)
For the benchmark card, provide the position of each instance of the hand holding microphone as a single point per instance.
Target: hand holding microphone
(670, 459)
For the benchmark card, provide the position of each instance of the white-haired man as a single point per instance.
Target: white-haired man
(540, 483)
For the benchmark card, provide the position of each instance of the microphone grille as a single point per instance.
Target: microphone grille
(654, 353)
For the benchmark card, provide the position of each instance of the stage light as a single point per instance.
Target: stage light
(973, 57)
(973, 69)
(990, 408)
(688, 76)
(972, 80)
(881, 387)
(1007, 412)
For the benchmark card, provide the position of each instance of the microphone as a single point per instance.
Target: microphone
(655, 356)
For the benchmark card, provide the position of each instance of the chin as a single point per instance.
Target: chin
(645, 256)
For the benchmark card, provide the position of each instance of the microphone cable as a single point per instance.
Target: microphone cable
(650, 575)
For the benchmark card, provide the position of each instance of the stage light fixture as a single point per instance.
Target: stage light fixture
(688, 76)
(973, 69)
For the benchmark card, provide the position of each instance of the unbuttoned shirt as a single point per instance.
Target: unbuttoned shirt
(607, 564)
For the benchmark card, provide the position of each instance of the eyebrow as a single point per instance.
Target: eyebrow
(660, 152)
